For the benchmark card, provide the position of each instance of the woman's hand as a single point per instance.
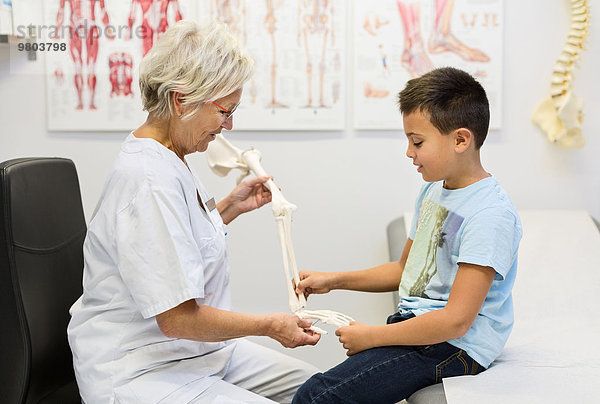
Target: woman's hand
(248, 195)
(291, 331)
(356, 337)
(314, 282)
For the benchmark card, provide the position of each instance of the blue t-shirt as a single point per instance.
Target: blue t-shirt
(477, 225)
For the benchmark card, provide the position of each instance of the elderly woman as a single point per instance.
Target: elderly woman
(154, 322)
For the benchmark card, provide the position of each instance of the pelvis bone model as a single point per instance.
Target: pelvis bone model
(560, 116)
(222, 157)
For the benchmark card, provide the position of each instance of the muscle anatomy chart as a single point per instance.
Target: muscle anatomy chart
(93, 84)
(298, 46)
(396, 40)
(84, 41)
(121, 68)
(154, 19)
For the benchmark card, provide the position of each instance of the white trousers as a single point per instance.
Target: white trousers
(257, 374)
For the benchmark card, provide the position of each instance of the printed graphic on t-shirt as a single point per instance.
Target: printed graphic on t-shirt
(437, 228)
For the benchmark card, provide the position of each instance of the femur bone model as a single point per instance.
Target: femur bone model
(222, 157)
(560, 116)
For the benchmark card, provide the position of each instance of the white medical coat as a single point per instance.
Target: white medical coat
(149, 247)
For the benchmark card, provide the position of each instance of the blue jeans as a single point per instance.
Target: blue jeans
(387, 374)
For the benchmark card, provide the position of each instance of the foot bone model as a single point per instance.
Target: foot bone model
(222, 157)
(561, 114)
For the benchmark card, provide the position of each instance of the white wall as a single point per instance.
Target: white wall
(349, 185)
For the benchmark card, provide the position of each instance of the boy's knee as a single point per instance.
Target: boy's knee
(309, 390)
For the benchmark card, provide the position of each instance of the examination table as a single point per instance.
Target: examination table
(552, 355)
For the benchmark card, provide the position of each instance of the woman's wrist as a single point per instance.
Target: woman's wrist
(227, 210)
(269, 326)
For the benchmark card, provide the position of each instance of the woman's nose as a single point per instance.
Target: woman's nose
(228, 124)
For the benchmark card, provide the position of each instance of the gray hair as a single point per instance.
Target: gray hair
(203, 62)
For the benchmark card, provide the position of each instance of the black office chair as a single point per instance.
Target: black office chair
(42, 228)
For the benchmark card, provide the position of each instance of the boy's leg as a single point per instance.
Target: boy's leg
(386, 374)
(267, 372)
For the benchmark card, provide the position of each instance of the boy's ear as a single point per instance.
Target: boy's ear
(463, 138)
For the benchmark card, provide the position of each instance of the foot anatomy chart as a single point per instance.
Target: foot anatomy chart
(92, 85)
(299, 49)
(396, 40)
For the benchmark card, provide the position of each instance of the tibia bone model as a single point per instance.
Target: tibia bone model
(222, 157)
(561, 114)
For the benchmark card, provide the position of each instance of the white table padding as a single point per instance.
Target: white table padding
(553, 353)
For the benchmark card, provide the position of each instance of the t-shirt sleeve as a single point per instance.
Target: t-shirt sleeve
(157, 255)
(491, 239)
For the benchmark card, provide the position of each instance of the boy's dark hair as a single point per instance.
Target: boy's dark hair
(453, 99)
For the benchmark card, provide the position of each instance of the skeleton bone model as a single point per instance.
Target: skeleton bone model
(222, 157)
(560, 116)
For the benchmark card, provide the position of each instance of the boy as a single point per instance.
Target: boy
(457, 268)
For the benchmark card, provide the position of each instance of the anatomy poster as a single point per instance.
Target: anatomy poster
(300, 51)
(396, 40)
(92, 80)
(298, 47)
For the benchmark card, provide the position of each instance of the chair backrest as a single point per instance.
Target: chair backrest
(42, 228)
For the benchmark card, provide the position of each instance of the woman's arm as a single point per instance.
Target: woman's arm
(247, 196)
(382, 278)
(203, 323)
(467, 295)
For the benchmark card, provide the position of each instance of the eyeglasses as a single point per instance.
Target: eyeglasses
(226, 112)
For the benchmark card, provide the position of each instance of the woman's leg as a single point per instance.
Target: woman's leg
(267, 372)
(226, 393)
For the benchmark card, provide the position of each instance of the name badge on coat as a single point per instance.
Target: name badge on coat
(210, 204)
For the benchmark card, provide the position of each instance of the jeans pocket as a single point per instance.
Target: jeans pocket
(457, 364)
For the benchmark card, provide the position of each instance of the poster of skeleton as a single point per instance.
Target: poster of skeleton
(396, 40)
(298, 47)
(92, 81)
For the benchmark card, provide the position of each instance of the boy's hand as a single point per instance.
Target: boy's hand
(355, 338)
(314, 282)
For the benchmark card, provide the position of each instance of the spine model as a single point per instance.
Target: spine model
(560, 116)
